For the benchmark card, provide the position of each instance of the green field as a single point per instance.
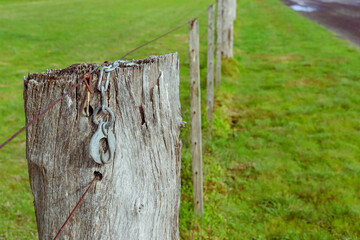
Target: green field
(281, 160)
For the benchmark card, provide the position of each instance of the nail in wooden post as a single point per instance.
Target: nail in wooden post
(210, 65)
(196, 116)
(218, 42)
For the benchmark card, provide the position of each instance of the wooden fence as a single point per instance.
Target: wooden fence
(140, 188)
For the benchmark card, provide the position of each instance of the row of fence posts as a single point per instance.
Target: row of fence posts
(226, 14)
(139, 194)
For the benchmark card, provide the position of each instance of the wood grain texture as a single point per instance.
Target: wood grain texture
(139, 195)
(210, 64)
(228, 17)
(219, 13)
(195, 109)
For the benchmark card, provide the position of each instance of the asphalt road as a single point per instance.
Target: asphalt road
(340, 16)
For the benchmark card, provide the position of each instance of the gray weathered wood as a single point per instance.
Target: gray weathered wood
(219, 14)
(210, 64)
(195, 110)
(228, 17)
(139, 195)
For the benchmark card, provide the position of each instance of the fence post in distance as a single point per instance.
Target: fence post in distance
(219, 14)
(228, 18)
(210, 64)
(195, 111)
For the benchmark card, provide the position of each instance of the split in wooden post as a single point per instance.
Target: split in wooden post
(87, 82)
(227, 27)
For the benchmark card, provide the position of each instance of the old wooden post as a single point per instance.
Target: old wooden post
(219, 14)
(195, 111)
(139, 195)
(228, 17)
(210, 64)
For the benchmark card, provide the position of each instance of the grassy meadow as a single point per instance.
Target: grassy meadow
(281, 159)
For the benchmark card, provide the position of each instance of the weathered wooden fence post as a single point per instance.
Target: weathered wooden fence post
(210, 64)
(219, 14)
(228, 17)
(139, 195)
(195, 111)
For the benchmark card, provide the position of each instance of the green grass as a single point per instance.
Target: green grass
(281, 159)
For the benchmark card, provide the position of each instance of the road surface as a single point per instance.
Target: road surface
(340, 16)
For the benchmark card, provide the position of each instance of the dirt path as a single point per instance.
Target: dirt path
(340, 16)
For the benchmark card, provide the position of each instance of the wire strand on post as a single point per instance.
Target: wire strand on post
(98, 176)
(82, 79)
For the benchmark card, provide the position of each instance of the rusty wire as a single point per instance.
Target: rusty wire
(86, 78)
(98, 176)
